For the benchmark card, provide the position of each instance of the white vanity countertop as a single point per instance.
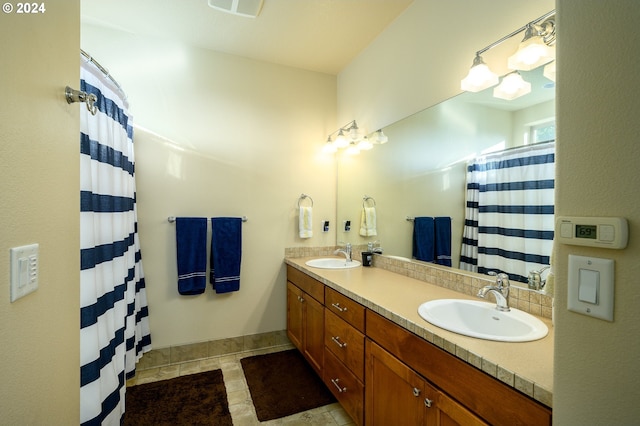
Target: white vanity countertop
(526, 366)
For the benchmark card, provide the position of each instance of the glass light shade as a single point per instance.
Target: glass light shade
(365, 144)
(329, 147)
(341, 141)
(353, 149)
(550, 71)
(380, 137)
(479, 78)
(354, 132)
(532, 53)
(512, 87)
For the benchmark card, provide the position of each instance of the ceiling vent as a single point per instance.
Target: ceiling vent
(247, 8)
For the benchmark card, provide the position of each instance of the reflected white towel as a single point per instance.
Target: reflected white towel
(368, 222)
(305, 222)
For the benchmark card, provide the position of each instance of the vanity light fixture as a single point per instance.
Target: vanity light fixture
(329, 147)
(380, 137)
(480, 77)
(512, 86)
(351, 137)
(536, 49)
(365, 144)
(353, 149)
(341, 141)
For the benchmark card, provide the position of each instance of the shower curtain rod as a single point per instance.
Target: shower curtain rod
(90, 99)
(104, 71)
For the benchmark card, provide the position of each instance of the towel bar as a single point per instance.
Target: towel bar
(367, 198)
(172, 219)
(302, 197)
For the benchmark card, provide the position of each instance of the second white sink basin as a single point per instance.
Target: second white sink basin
(332, 263)
(481, 320)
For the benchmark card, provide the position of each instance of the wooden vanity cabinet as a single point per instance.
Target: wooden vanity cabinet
(382, 374)
(460, 385)
(395, 394)
(305, 316)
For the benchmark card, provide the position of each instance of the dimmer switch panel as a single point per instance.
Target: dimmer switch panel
(24, 270)
(591, 286)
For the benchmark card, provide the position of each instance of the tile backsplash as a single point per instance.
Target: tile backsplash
(469, 283)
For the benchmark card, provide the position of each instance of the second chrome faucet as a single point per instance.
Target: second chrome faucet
(346, 251)
(500, 290)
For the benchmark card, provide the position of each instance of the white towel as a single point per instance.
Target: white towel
(305, 222)
(368, 222)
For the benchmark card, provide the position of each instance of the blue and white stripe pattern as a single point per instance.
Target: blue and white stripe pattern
(509, 218)
(114, 326)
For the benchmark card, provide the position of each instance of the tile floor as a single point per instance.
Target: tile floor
(240, 404)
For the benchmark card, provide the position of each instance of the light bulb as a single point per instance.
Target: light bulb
(479, 78)
(341, 141)
(353, 149)
(329, 147)
(512, 87)
(365, 144)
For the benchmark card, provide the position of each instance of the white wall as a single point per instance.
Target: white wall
(225, 136)
(39, 183)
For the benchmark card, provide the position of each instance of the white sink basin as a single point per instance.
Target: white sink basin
(482, 320)
(332, 263)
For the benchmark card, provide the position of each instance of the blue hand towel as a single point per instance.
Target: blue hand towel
(191, 244)
(443, 240)
(226, 253)
(423, 239)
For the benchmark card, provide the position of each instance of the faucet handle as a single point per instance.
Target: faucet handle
(502, 279)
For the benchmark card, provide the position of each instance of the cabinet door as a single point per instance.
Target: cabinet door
(441, 410)
(394, 394)
(295, 327)
(314, 332)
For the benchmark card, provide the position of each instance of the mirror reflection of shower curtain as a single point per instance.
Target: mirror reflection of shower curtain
(114, 326)
(509, 218)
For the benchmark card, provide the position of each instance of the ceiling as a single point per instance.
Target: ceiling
(316, 35)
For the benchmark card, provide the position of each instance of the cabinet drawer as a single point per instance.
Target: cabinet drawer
(345, 387)
(345, 342)
(350, 311)
(309, 285)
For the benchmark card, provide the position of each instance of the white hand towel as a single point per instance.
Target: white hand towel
(368, 222)
(305, 222)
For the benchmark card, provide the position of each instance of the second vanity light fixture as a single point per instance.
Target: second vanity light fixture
(536, 49)
(351, 138)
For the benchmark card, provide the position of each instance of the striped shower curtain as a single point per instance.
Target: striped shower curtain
(114, 327)
(509, 217)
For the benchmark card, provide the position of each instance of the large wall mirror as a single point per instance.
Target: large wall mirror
(421, 171)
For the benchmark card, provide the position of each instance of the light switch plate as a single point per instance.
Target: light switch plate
(591, 286)
(24, 270)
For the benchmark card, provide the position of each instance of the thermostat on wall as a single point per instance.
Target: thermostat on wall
(603, 232)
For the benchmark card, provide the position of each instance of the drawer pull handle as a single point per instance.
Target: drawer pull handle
(428, 402)
(335, 383)
(300, 299)
(416, 392)
(338, 307)
(337, 341)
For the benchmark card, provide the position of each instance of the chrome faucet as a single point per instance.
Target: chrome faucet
(371, 247)
(500, 291)
(346, 251)
(535, 279)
